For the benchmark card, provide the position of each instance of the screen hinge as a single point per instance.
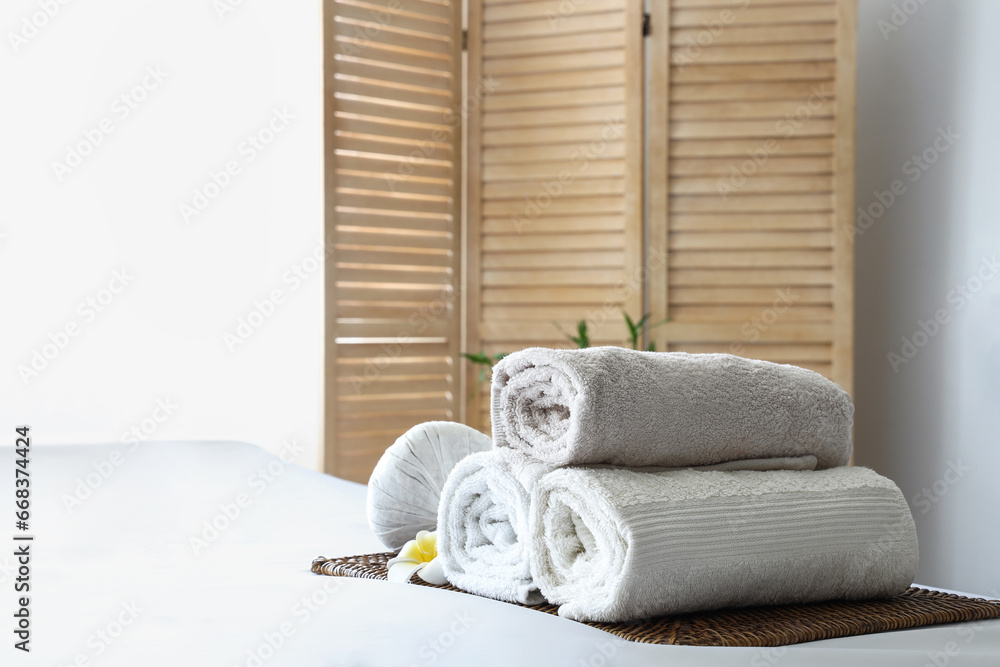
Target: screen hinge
(645, 25)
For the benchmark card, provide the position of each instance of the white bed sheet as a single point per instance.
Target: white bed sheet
(124, 554)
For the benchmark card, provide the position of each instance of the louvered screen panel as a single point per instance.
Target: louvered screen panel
(759, 153)
(555, 174)
(393, 137)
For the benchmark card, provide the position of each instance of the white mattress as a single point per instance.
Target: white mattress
(124, 554)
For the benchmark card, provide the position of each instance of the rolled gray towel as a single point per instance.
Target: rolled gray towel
(622, 407)
(613, 544)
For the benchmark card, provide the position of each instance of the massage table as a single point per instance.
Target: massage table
(198, 553)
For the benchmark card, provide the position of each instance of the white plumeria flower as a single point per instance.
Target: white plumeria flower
(418, 557)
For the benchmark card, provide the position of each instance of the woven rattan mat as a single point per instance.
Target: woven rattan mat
(750, 626)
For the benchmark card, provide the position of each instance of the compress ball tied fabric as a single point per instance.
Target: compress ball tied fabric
(405, 488)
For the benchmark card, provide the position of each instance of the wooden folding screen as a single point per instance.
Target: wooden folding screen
(393, 182)
(702, 173)
(555, 175)
(751, 179)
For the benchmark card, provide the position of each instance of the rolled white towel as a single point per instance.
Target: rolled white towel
(628, 408)
(615, 545)
(483, 525)
(483, 521)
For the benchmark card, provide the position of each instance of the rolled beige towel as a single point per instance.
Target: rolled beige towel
(623, 407)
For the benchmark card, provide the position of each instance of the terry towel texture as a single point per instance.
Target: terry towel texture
(483, 525)
(612, 544)
(483, 520)
(628, 408)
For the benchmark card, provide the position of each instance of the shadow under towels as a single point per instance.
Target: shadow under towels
(612, 544)
(623, 407)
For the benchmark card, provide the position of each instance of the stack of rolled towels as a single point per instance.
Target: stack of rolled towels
(625, 484)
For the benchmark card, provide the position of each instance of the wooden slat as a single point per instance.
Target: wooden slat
(761, 147)
(440, 12)
(593, 187)
(750, 295)
(552, 169)
(572, 116)
(577, 277)
(752, 259)
(724, 185)
(563, 242)
(559, 62)
(774, 164)
(738, 73)
(687, 332)
(581, 156)
(732, 110)
(745, 240)
(689, 54)
(740, 202)
(750, 222)
(578, 135)
(555, 99)
(530, 332)
(590, 78)
(550, 294)
(551, 10)
(758, 34)
(742, 4)
(788, 14)
(547, 313)
(736, 277)
(573, 24)
(789, 313)
(373, 69)
(544, 224)
(553, 44)
(560, 206)
(553, 260)
(714, 129)
(744, 91)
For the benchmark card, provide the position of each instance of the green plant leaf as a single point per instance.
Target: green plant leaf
(478, 358)
(632, 328)
(583, 340)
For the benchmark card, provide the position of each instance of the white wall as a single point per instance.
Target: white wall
(932, 423)
(64, 235)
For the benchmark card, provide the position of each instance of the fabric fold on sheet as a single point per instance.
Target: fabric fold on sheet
(611, 544)
(483, 524)
(623, 407)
